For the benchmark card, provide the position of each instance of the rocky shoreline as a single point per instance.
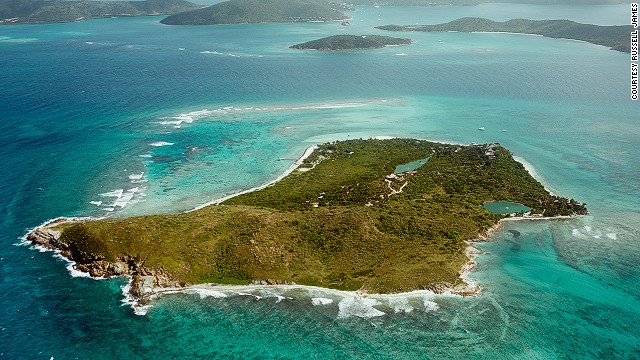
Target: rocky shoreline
(146, 283)
(143, 280)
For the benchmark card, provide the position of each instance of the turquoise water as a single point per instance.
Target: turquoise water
(411, 166)
(113, 112)
(505, 207)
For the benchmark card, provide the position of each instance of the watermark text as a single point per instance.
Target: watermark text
(634, 51)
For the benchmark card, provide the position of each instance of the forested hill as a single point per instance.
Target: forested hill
(351, 42)
(55, 11)
(477, 2)
(261, 11)
(345, 219)
(614, 37)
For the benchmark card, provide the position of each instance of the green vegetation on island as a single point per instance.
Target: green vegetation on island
(261, 11)
(344, 219)
(614, 37)
(351, 42)
(56, 11)
(478, 2)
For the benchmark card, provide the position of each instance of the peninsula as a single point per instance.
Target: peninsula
(614, 37)
(261, 11)
(351, 42)
(386, 216)
(57, 11)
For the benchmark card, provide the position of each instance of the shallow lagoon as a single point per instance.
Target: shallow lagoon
(411, 166)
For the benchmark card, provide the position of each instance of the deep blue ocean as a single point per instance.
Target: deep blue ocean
(119, 117)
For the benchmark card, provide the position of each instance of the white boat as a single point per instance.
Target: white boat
(481, 128)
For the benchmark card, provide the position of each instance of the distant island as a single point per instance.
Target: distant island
(351, 42)
(385, 216)
(57, 11)
(614, 37)
(478, 2)
(261, 11)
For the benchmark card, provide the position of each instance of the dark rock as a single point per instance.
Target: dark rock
(515, 233)
(144, 280)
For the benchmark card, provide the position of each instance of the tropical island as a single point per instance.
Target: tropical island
(386, 216)
(351, 42)
(57, 11)
(478, 2)
(261, 11)
(614, 37)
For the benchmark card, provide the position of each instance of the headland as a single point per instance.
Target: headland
(614, 37)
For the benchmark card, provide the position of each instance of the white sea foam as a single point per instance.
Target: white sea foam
(588, 231)
(161, 143)
(430, 305)
(578, 234)
(205, 293)
(218, 53)
(360, 307)
(40, 248)
(190, 117)
(97, 43)
(141, 310)
(76, 273)
(207, 52)
(96, 203)
(71, 267)
(271, 294)
(136, 176)
(612, 236)
(145, 156)
(400, 305)
(114, 193)
(123, 198)
(187, 118)
(258, 297)
(126, 197)
(171, 122)
(129, 300)
(321, 301)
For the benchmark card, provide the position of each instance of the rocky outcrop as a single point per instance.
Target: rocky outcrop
(272, 282)
(144, 280)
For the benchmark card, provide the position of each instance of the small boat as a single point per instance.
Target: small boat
(481, 128)
(346, 23)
